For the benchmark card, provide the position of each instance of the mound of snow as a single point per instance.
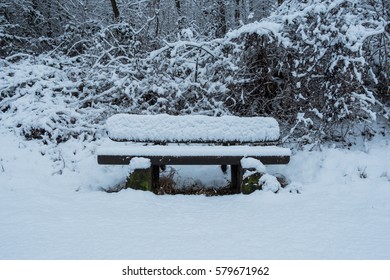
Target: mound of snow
(189, 128)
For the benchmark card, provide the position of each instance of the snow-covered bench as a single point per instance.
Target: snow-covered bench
(193, 140)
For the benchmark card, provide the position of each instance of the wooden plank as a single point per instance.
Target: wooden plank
(190, 160)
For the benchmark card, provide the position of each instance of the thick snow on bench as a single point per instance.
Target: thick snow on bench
(191, 128)
(184, 150)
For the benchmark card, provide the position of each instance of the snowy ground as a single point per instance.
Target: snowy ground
(52, 207)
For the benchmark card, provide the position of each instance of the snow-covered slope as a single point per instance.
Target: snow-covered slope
(52, 207)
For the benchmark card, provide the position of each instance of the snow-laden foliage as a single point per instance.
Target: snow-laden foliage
(331, 73)
(39, 98)
(377, 51)
(307, 65)
(318, 66)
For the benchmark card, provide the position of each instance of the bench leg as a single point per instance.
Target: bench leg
(236, 178)
(155, 177)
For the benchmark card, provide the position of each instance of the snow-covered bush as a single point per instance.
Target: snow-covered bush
(330, 72)
(39, 99)
(377, 49)
(308, 61)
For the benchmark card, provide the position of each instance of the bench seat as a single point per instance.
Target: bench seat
(193, 155)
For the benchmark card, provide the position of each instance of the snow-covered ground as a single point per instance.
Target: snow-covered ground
(52, 207)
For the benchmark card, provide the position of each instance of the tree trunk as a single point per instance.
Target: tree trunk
(178, 7)
(180, 19)
(157, 14)
(115, 9)
(237, 14)
(49, 19)
(221, 19)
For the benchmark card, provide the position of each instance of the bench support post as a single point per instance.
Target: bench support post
(236, 178)
(155, 177)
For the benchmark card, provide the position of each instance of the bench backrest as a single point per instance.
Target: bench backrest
(165, 128)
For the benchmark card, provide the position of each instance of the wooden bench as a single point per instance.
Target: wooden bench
(193, 140)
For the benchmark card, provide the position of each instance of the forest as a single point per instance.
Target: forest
(320, 67)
